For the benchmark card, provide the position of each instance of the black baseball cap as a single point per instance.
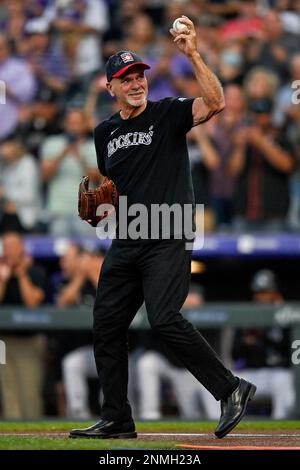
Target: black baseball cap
(120, 62)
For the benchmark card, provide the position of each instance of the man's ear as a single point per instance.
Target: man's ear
(109, 89)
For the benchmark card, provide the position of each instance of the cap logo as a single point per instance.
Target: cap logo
(126, 57)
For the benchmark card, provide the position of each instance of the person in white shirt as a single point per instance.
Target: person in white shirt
(65, 158)
(86, 22)
(20, 192)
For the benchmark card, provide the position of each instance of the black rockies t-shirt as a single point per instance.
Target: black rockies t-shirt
(146, 156)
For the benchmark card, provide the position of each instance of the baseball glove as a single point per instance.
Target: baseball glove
(90, 199)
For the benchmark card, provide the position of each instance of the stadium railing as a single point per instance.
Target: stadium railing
(244, 245)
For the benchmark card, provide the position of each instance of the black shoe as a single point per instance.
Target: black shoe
(234, 407)
(106, 429)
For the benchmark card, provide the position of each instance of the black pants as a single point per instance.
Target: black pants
(159, 273)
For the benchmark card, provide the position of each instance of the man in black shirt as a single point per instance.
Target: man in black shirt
(143, 150)
(262, 160)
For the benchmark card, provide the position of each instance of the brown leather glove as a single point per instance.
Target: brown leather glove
(90, 199)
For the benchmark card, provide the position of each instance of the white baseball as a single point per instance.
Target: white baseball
(178, 26)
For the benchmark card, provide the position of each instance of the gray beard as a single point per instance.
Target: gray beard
(136, 104)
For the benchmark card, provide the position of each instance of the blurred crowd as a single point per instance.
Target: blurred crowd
(245, 161)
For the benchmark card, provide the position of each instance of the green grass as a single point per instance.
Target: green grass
(50, 443)
(143, 426)
(63, 443)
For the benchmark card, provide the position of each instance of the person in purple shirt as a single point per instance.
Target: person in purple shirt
(166, 69)
(47, 62)
(19, 87)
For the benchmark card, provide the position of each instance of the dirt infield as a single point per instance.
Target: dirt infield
(271, 439)
(257, 439)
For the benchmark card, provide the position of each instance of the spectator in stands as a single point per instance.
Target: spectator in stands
(22, 283)
(287, 116)
(99, 104)
(47, 62)
(157, 365)
(275, 46)
(191, 8)
(81, 25)
(263, 355)
(203, 159)
(20, 88)
(79, 277)
(141, 36)
(65, 158)
(20, 195)
(40, 119)
(36, 8)
(262, 161)
(220, 142)
(76, 285)
(121, 14)
(231, 64)
(259, 83)
(285, 109)
(289, 14)
(247, 23)
(13, 23)
(171, 72)
(224, 8)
